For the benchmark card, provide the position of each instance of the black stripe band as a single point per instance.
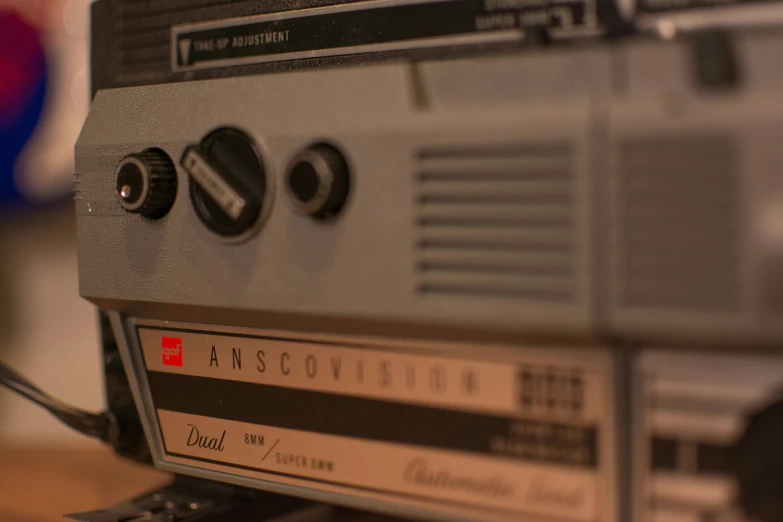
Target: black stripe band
(370, 419)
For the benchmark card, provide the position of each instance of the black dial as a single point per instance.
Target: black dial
(318, 181)
(146, 183)
(759, 465)
(227, 181)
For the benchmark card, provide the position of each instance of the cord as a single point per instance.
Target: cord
(102, 426)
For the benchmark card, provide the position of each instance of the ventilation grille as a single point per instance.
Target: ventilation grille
(678, 206)
(77, 187)
(496, 222)
(142, 30)
(143, 37)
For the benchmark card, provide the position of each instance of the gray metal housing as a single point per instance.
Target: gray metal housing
(580, 193)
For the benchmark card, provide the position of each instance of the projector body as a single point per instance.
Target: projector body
(445, 260)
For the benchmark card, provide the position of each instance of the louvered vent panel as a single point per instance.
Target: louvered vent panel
(142, 29)
(496, 222)
(679, 219)
(77, 187)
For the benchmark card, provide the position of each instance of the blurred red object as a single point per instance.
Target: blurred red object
(22, 63)
(44, 96)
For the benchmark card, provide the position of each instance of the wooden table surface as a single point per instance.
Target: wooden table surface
(43, 484)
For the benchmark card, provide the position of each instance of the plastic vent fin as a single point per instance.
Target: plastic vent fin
(77, 187)
(143, 32)
(496, 222)
(678, 209)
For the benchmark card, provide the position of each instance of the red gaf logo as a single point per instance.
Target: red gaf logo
(171, 350)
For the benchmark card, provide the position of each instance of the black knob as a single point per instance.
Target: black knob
(227, 181)
(318, 181)
(759, 465)
(146, 183)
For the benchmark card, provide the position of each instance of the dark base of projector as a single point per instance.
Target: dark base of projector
(187, 499)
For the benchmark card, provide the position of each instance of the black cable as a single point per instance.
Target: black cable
(99, 425)
(90, 424)
(87, 423)
(81, 421)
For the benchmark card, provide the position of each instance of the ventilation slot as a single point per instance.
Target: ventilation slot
(678, 208)
(496, 223)
(143, 32)
(77, 187)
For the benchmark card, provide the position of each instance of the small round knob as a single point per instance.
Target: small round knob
(146, 183)
(759, 465)
(318, 181)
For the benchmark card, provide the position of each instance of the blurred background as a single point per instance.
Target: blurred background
(47, 332)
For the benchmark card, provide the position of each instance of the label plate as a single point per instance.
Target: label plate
(525, 433)
(372, 26)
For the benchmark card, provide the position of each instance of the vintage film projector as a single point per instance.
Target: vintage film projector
(454, 260)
